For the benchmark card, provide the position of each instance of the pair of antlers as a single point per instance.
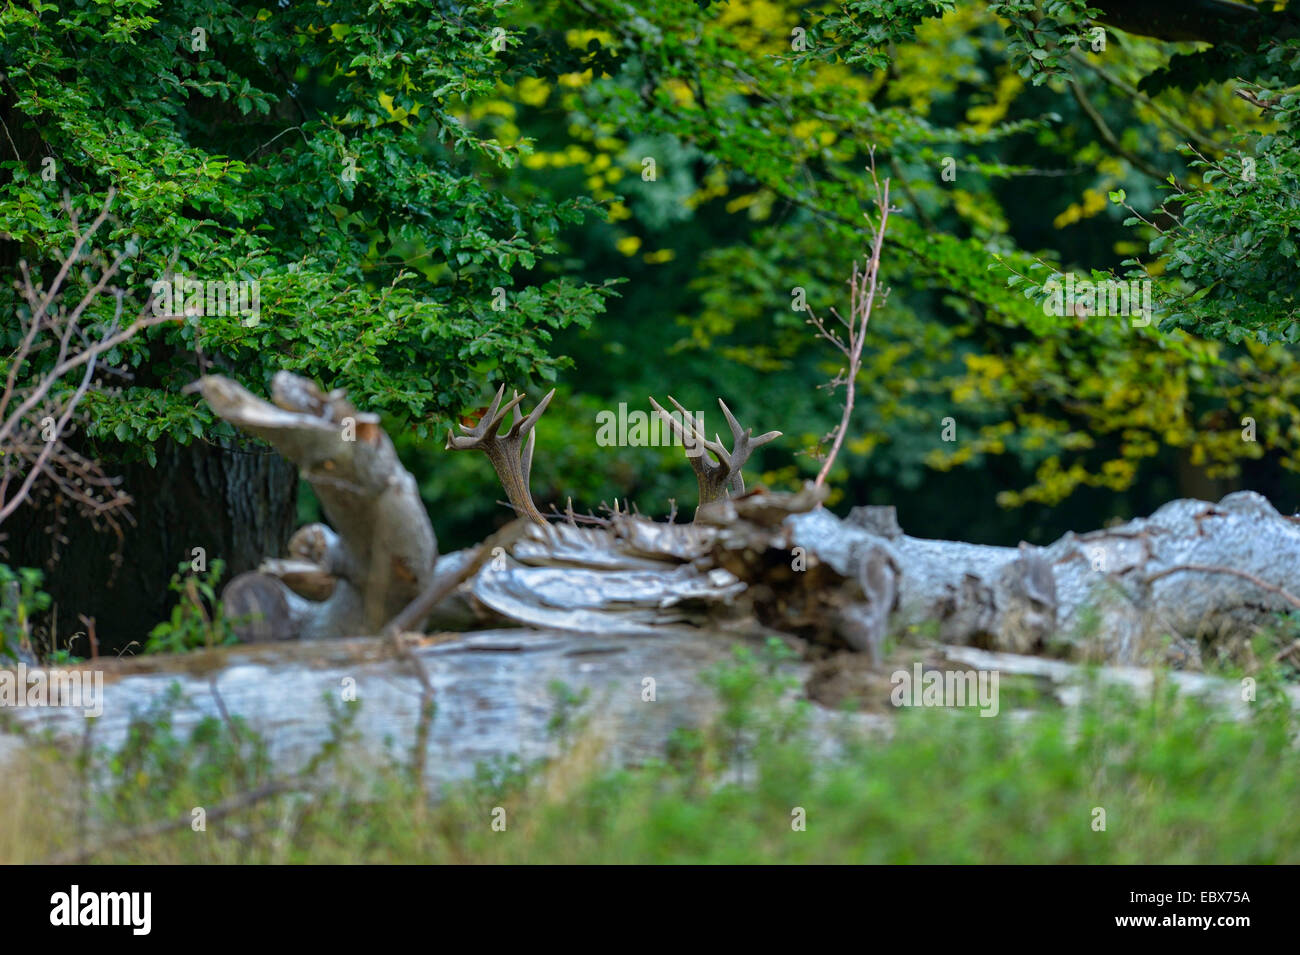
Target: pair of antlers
(511, 453)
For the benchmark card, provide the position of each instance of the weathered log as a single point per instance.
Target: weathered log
(1116, 594)
(492, 691)
(494, 694)
(611, 606)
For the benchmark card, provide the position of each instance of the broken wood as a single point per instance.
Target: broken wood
(380, 552)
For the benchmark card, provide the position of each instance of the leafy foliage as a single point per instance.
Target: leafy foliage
(20, 597)
(507, 149)
(774, 141)
(1232, 242)
(197, 620)
(316, 150)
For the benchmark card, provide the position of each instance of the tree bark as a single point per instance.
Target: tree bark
(1206, 21)
(237, 503)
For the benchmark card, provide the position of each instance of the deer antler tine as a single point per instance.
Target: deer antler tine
(500, 416)
(518, 416)
(496, 403)
(526, 458)
(486, 427)
(488, 415)
(732, 423)
(694, 423)
(688, 421)
(669, 420)
(697, 432)
(743, 445)
(686, 415)
(745, 434)
(688, 429)
(715, 446)
(723, 455)
(526, 426)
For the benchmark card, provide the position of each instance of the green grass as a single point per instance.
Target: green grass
(1178, 780)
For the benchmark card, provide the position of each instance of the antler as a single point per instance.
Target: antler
(720, 477)
(510, 456)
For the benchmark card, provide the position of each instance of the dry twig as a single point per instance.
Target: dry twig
(37, 412)
(862, 300)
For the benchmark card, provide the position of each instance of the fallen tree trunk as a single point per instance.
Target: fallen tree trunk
(493, 691)
(496, 696)
(1159, 589)
(1153, 590)
(605, 608)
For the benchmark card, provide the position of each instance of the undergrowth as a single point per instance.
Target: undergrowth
(1173, 780)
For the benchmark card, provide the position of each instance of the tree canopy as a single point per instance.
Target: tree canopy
(436, 198)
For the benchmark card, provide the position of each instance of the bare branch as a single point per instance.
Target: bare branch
(37, 411)
(862, 300)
